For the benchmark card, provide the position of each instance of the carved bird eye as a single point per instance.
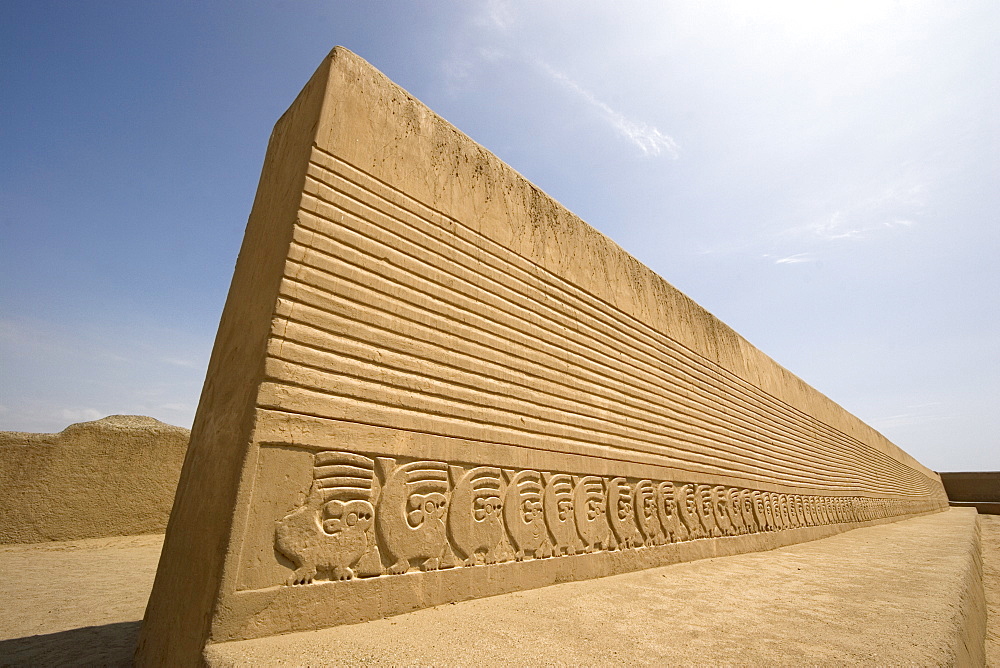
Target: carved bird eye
(417, 504)
(530, 510)
(594, 509)
(624, 509)
(352, 519)
(565, 508)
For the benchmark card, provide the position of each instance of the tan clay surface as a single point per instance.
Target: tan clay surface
(835, 601)
(75, 603)
(432, 383)
(111, 477)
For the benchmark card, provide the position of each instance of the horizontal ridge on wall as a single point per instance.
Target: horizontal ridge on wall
(401, 309)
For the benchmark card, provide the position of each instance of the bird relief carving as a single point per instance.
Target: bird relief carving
(364, 516)
(523, 513)
(328, 534)
(412, 513)
(474, 521)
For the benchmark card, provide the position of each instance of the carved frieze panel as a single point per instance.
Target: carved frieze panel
(370, 516)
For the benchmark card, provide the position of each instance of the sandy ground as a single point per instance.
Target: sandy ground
(76, 602)
(81, 602)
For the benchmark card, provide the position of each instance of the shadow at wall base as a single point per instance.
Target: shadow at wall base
(104, 645)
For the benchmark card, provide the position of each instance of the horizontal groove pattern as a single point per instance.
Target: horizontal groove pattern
(395, 315)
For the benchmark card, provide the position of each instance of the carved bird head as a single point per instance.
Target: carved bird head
(339, 516)
(485, 507)
(421, 507)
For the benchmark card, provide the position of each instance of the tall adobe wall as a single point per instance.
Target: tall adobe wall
(432, 382)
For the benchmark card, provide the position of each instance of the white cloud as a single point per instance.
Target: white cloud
(183, 408)
(836, 226)
(894, 206)
(649, 139)
(491, 54)
(913, 416)
(496, 14)
(181, 362)
(80, 414)
(798, 258)
(456, 70)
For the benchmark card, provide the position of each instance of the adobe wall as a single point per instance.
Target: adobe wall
(972, 485)
(110, 477)
(432, 382)
(974, 489)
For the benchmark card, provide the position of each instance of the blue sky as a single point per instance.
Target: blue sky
(821, 176)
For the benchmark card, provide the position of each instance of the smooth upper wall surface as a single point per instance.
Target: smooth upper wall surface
(432, 382)
(110, 477)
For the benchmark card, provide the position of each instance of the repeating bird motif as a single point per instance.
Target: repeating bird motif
(411, 515)
(426, 513)
(687, 509)
(621, 514)
(474, 520)
(667, 503)
(327, 535)
(590, 510)
(646, 513)
(523, 513)
(559, 513)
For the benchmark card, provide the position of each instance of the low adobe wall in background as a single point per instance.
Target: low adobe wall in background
(431, 382)
(976, 489)
(110, 477)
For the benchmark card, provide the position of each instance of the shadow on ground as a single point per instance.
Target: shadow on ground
(106, 645)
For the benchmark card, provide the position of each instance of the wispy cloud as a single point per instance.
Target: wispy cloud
(836, 226)
(797, 258)
(650, 140)
(176, 361)
(80, 414)
(496, 14)
(915, 415)
(462, 66)
(896, 205)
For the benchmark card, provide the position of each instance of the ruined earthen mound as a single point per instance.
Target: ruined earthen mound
(110, 477)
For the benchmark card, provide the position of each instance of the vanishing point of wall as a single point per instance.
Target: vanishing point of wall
(432, 382)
